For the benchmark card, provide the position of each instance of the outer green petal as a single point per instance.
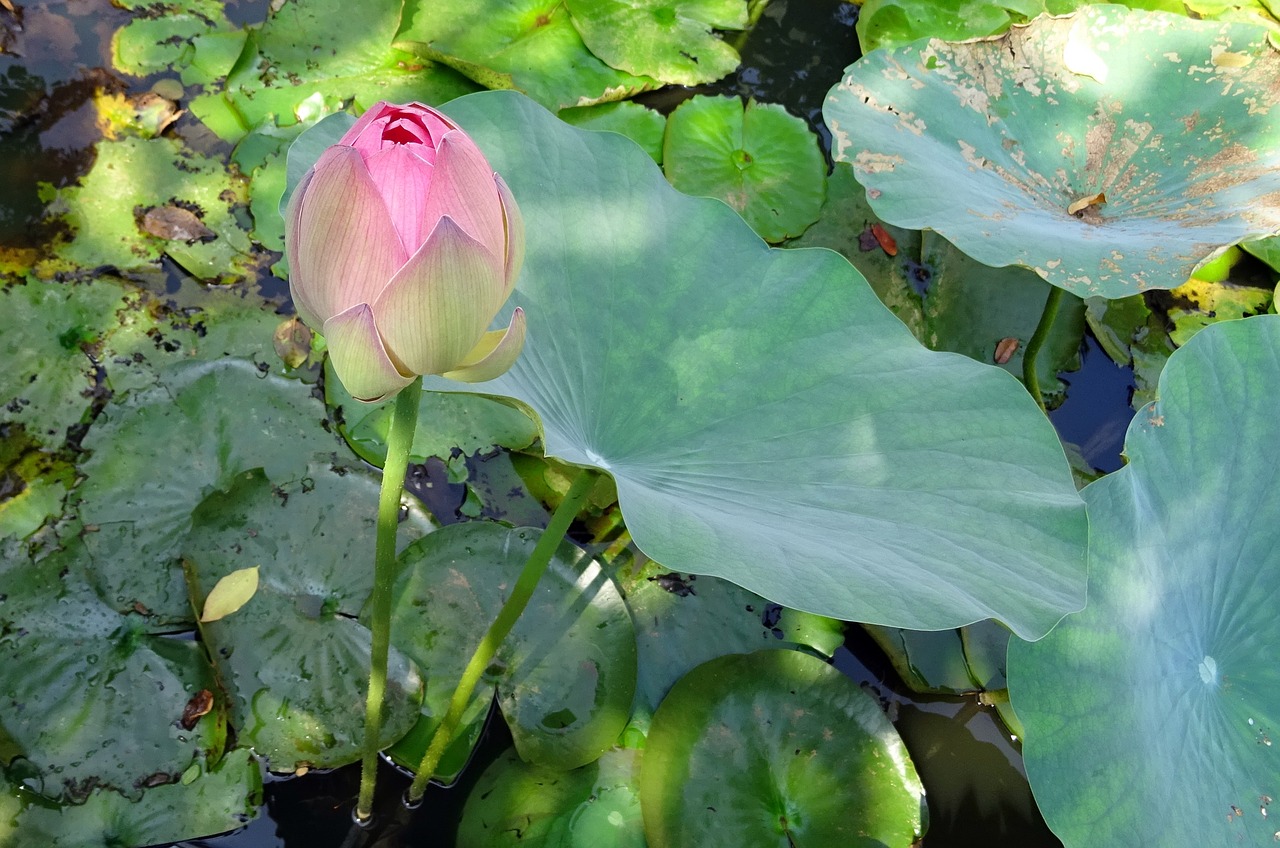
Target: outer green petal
(515, 235)
(359, 357)
(497, 351)
(433, 311)
(346, 246)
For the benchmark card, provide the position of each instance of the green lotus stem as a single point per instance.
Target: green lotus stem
(497, 632)
(403, 422)
(1029, 376)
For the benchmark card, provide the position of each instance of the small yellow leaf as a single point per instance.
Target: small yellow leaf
(1085, 202)
(230, 593)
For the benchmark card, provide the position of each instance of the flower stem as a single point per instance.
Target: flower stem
(403, 422)
(497, 632)
(1030, 377)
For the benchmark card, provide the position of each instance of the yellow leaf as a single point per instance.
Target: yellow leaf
(230, 593)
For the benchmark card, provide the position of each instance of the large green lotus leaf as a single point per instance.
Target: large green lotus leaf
(203, 802)
(1004, 145)
(1267, 249)
(893, 23)
(1150, 717)
(683, 621)
(641, 124)
(528, 45)
(764, 416)
(776, 747)
(309, 48)
(157, 453)
(527, 806)
(90, 699)
(293, 659)
(147, 197)
(761, 160)
(446, 422)
(671, 40)
(566, 674)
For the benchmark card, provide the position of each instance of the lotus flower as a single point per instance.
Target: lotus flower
(403, 244)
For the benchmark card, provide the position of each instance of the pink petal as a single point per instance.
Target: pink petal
(362, 135)
(402, 178)
(344, 241)
(494, 355)
(462, 187)
(439, 304)
(359, 357)
(301, 301)
(515, 235)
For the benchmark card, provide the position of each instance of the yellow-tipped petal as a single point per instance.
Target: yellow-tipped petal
(497, 351)
(359, 357)
(439, 304)
(343, 238)
(515, 235)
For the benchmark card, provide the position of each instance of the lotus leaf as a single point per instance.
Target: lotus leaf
(1151, 717)
(1110, 150)
(764, 416)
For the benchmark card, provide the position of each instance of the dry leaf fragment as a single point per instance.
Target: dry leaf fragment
(1005, 349)
(886, 242)
(292, 341)
(176, 224)
(230, 593)
(1078, 207)
(200, 704)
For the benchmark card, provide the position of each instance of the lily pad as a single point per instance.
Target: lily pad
(796, 440)
(294, 659)
(1173, 661)
(132, 177)
(91, 700)
(671, 40)
(778, 743)
(518, 804)
(529, 45)
(200, 429)
(1034, 148)
(202, 803)
(761, 160)
(639, 123)
(565, 676)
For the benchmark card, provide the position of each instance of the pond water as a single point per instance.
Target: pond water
(57, 56)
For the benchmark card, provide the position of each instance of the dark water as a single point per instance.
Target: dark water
(54, 60)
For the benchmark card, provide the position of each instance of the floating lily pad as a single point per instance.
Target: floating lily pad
(90, 698)
(639, 123)
(797, 440)
(671, 40)
(132, 177)
(175, 39)
(202, 803)
(529, 45)
(762, 161)
(1153, 717)
(294, 659)
(565, 676)
(1039, 148)
(518, 804)
(207, 424)
(777, 743)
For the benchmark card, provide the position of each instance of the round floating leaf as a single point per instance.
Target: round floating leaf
(1110, 150)
(642, 125)
(200, 429)
(765, 419)
(764, 162)
(667, 39)
(565, 675)
(203, 802)
(1153, 717)
(529, 45)
(90, 699)
(776, 747)
(294, 659)
(518, 804)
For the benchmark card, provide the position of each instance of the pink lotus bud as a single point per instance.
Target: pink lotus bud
(403, 244)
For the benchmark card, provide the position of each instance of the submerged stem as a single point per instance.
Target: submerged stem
(497, 632)
(1030, 378)
(403, 422)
